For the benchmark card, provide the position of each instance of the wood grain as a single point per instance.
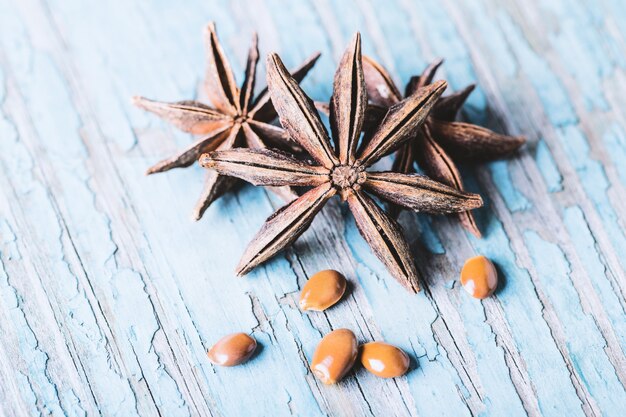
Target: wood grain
(110, 295)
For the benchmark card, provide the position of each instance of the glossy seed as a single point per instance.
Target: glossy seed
(479, 277)
(335, 355)
(322, 290)
(232, 350)
(384, 360)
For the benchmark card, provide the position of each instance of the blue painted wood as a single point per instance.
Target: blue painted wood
(110, 295)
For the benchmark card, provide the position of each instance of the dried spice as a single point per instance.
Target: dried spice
(335, 355)
(236, 120)
(479, 277)
(441, 140)
(341, 170)
(232, 350)
(323, 290)
(384, 360)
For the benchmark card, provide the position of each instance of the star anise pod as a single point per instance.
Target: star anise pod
(235, 120)
(441, 140)
(341, 170)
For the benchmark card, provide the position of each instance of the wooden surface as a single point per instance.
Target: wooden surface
(110, 295)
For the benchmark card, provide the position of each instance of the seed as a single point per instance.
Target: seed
(232, 350)
(322, 290)
(384, 360)
(334, 356)
(479, 277)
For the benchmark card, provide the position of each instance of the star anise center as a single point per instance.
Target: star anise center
(347, 176)
(241, 118)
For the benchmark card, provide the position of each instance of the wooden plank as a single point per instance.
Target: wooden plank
(111, 294)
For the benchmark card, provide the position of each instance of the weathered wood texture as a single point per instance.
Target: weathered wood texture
(110, 295)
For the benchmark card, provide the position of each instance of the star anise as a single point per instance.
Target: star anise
(236, 119)
(341, 170)
(441, 140)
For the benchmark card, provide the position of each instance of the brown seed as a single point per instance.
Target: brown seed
(479, 277)
(232, 350)
(384, 360)
(322, 290)
(334, 356)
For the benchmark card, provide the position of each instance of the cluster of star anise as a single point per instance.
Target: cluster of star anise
(301, 154)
